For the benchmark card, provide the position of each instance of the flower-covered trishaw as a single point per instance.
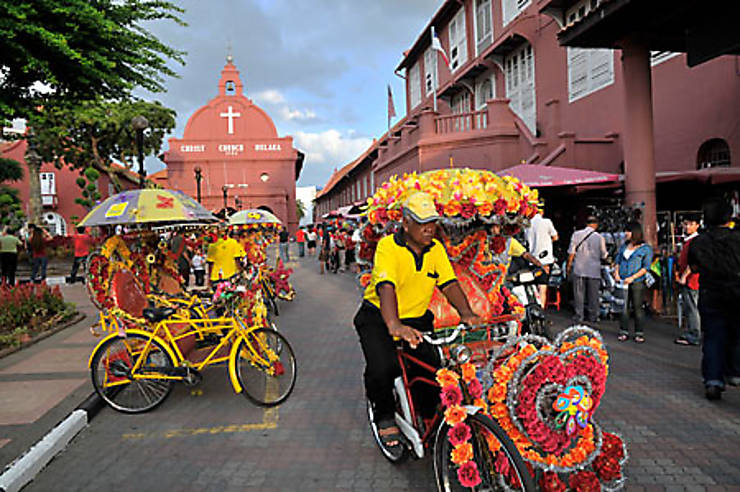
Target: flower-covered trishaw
(160, 334)
(259, 230)
(515, 409)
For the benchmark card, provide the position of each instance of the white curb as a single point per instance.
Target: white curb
(25, 468)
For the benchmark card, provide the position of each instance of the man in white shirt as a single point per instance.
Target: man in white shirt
(540, 236)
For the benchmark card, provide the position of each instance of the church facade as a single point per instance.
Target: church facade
(231, 156)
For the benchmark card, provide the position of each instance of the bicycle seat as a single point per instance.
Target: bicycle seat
(157, 314)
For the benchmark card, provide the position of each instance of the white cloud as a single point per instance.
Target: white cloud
(327, 150)
(296, 114)
(272, 96)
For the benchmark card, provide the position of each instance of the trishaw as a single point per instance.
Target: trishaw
(159, 334)
(516, 410)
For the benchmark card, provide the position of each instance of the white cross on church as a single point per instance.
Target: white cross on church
(230, 115)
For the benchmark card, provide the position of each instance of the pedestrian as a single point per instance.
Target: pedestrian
(340, 244)
(199, 267)
(325, 250)
(9, 244)
(715, 256)
(688, 287)
(633, 263)
(311, 241)
(540, 236)
(82, 242)
(38, 241)
(181, 254)
(283, 247)
(586, 250)
(300, 239)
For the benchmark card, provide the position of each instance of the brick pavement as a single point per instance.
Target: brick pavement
(212, 439)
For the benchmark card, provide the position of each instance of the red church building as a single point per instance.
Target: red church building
(231, 156)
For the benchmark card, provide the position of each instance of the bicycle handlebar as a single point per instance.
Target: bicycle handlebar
(448, 339)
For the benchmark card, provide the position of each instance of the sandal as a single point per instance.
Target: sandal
(389, 434)
(681, 341)
(639, 339)
(622, 338)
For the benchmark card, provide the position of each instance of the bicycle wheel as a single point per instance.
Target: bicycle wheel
(111, 373)
(266, 367)
(499, 464)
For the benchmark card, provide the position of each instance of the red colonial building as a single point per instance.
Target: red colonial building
(59, 189)
(232, 152)
(512, 94)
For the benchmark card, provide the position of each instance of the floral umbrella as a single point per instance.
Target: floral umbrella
(253, 216)
(147, 206)
(461, 195)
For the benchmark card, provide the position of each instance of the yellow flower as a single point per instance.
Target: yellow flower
(454, 415)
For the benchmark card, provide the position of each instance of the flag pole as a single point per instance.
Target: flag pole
(434, 75)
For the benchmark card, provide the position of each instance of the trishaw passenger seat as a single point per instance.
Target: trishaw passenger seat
(155, 315)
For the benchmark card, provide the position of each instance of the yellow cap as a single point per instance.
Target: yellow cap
(420, 207)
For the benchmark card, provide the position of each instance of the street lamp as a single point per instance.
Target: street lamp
(139, 124)
(225, 190)
(198, 177)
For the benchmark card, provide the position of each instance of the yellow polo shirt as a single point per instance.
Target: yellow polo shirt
(414, 277)
(223, 254)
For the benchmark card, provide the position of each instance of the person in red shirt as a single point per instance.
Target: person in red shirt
(82, 242)
(300, 238)
(38, 241)
(688, 282)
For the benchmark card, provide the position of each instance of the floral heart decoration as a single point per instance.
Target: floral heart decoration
(545, 394)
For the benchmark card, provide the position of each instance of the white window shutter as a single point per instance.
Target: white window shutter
(601, 68)
(577, 72)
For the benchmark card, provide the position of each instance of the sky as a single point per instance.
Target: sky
(320, 68)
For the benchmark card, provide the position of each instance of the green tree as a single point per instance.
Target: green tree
(11, 211)
(81, 47)
(91, 136)
(300, 209)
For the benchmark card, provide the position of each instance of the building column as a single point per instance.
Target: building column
(639, 150)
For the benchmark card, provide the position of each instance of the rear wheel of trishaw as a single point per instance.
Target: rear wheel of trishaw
(111, 376)
(266, 367)
(492, 450)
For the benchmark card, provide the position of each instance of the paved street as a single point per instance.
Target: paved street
(209, 438)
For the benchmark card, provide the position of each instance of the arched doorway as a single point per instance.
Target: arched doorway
(713, 153)
(266, 209)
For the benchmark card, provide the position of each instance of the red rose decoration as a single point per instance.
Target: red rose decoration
(440, 208)
(468, 475)
(499, 206)
(584, 481)
(550, 482)
(607, 468)
(475, 388)
(459, 434)
(451, 395)
(612, 446)
(468, 210)
(498, 243)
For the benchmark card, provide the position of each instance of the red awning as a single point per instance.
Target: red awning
(712, 175)
(537, 176)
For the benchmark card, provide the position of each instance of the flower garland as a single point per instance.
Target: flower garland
(458, 193)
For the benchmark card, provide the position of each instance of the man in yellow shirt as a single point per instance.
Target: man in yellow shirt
(407, 267)
(223, 258)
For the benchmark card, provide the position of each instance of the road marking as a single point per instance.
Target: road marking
(269, 421)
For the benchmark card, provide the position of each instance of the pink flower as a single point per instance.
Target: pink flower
(451, 395)
(468, 475)
(475, 388)
(459, 434)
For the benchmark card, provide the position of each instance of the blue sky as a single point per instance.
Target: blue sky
(319, 67)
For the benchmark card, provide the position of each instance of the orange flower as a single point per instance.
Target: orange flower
(485, 208)
(468, 372)
(497, 393)
(493, 443)
(445, 377)
(452, 209)
(462, 453)
(395, 215)
(365, 279)
(479, 402)
(454, 415)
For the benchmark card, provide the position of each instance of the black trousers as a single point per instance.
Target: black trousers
(8, 263)
(79, 260)
(381, 362)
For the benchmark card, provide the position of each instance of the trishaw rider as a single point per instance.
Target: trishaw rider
(223, 258)
(408, 265)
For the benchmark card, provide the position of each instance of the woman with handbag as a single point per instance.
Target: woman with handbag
(633, 263)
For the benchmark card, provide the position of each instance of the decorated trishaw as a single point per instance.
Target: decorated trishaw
(542, 392)
(157, 332)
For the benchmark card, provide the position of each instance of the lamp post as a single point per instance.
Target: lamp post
(139, 124)
(198, 177)
(238, 203)
(225, 190)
